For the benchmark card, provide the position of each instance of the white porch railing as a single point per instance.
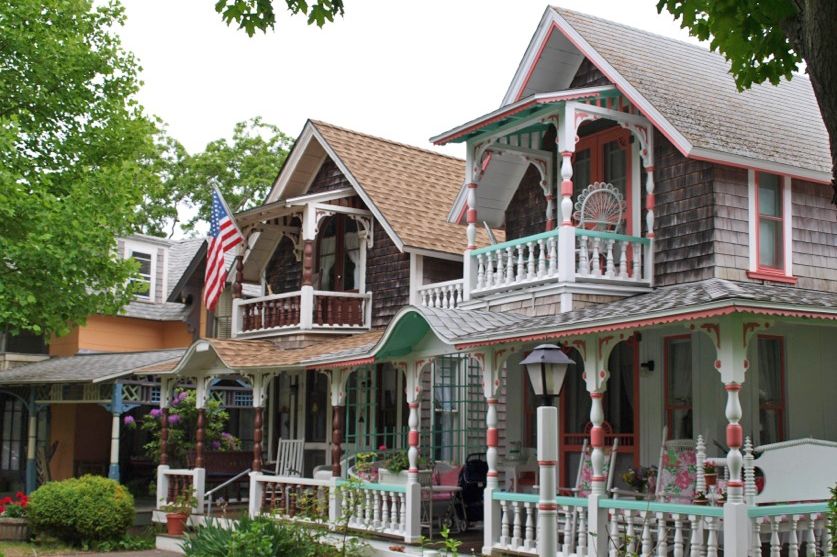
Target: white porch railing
(442, 295)
(287, 312)
(519, 524)
(592, 256)
(803, 527)
(180, 482)
(375, 508)
(290, 497)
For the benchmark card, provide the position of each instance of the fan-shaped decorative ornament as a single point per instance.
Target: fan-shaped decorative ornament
(600, 206)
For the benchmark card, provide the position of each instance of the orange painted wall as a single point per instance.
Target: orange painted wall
(93, 429)
(66, 345)
(63, 430)
(125, 334)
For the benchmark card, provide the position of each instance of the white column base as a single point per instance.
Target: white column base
(335, 503)
(162, 485)
(256, 493)
(199, 483)
(412, 530)
(737, 529)
(566, 254)
(490, 520)
(597, 533)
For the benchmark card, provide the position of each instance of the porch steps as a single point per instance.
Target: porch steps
(173, 544)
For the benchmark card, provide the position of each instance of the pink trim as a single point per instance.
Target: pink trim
(597, 436)
(772, 277)
(346, 363)
(547, 463)
(735, 436)
(688, 316)
(413, 438)
(547, 506)
(492, 437)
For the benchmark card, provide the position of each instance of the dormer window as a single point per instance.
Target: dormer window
(146, 256)
(339, 255)
(770, 227)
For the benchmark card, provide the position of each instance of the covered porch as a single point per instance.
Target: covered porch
(634, 377)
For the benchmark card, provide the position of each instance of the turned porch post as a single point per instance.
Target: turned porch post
(116, 414)
(309, 234)
(339, 377)
(491, 364)
(259, 382)
(166, 384)
(413, 393)
(32, 443)
(565, 139)
(199, 434)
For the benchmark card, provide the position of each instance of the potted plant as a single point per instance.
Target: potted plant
(13, 523)
(709, 474)
(700, 499)
(365, 466)
(178, 512)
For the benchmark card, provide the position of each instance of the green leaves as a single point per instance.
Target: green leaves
(253, 15)
(75, 163)
(748, 33)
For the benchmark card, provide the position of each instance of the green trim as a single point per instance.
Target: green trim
(374, 487)
(776, 510)
(651, 506)
(532, 498)
(517, 242)
(612, 236)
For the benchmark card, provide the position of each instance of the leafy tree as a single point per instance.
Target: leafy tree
(76, 160)
(244, 169)
(260, 14)
(765, 40)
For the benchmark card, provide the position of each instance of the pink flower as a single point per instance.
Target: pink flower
(382, 448)
(174, 419)
(683, 479)
(156, 412)
(129, 420)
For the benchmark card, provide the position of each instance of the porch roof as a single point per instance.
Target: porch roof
(533, 108)
(86, 368)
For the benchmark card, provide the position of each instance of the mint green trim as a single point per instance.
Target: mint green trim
(777, 510)
(517, 242)
(652, 506)
(612, 236)
(374, 487)
(533, 498)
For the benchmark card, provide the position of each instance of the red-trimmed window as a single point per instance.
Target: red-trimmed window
(772, 404)
(771, 238)
(678, 386)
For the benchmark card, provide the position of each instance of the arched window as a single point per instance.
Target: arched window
(338, 255)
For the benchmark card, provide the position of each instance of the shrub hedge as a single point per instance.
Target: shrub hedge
(82, 511)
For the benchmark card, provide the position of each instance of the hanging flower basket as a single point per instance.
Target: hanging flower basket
(14, 529)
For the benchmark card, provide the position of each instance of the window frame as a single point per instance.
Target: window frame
(759, 271)
(128, 251)
(669, 407)
(782, 407)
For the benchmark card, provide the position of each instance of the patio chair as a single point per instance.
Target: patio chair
(289, 454)
(441, 489)
(600, 206)
(584, 476)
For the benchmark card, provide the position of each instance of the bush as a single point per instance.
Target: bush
(82, 510)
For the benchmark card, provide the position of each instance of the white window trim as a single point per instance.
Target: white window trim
(787, 224)
(129, 249)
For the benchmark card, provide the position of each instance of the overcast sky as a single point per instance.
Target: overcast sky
(404, 70)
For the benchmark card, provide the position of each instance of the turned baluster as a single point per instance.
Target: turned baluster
(583, 258)
(678, 536)
(568, 545)
(646, 535)
(696, 539)
(517, 536)
(596, 259)
(712, 538)
(623, 260)
(509, 266)
(501, 266)
(402, 497)
(662, 535)
(553, 256)
(775, 542)
(630, 536)
(504, 523)
(531, 270)
(541, 259)
(521, 263)
(637, 261)
(489, 269)
(377, 503)
(793, 538)
(582, 531)
(613, 533)
(480, 271)
(610, 269)
(810, 538)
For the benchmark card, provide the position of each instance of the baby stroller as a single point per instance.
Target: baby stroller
(472, 480)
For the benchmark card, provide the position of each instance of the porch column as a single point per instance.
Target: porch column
(471, 216)
(565, 139)
(116, 414)
(166, 384)
(238, 278)
(259, 382)
(338, 377)
(491, 508)
(309, 234)
(202, 385)
(413, 392)
(32, 443)
(647, 154)
(595, 351)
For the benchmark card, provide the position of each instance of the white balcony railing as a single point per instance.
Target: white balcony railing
(300, 311)
(585, 256)
(442, 295)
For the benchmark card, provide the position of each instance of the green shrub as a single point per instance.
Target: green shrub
(82, 510)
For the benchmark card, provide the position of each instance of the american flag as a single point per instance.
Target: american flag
(223, 237)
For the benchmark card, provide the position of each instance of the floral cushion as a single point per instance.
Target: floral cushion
(677, 476)
(585, 482)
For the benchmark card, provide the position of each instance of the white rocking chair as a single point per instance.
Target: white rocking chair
(289, 457)
(600, 206)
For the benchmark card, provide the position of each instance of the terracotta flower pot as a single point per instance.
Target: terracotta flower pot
(176, 523)
(711, 479)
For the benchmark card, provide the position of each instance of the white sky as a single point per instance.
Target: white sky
(403, 70)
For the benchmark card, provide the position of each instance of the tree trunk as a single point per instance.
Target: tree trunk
(813, 34)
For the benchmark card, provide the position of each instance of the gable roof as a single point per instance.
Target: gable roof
(408, 189)
(687, 92)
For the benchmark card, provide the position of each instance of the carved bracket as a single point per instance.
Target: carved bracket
(643, 135)
(580, 117)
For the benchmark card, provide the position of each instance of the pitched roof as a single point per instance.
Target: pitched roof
(693, 90)
(85, 368)
(165, 311)
(412, 188)
(181, 255)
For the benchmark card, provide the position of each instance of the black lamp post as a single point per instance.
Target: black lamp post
(547, 367)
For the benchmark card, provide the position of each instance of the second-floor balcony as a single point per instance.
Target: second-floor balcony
(301, 311)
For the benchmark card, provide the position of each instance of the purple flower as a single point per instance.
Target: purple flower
(156, 413)
(216, 445)
(226, 436)
(174, 419)
(129, 420)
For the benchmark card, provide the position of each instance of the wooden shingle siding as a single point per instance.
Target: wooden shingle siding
(526, 213)
(160, 271)
(814, 236)
(588, 75)
(732, 252)
(283, 272)
(683, 216)
(329, 178)
(387, 277)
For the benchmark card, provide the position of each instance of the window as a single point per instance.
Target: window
(678, 386)
(770, 227)
(771, 373)
(770, 221)
(146, 256)
(13, 426)
(605, 157)
(338, 255)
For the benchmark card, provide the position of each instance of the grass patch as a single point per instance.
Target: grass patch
(26, 549)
